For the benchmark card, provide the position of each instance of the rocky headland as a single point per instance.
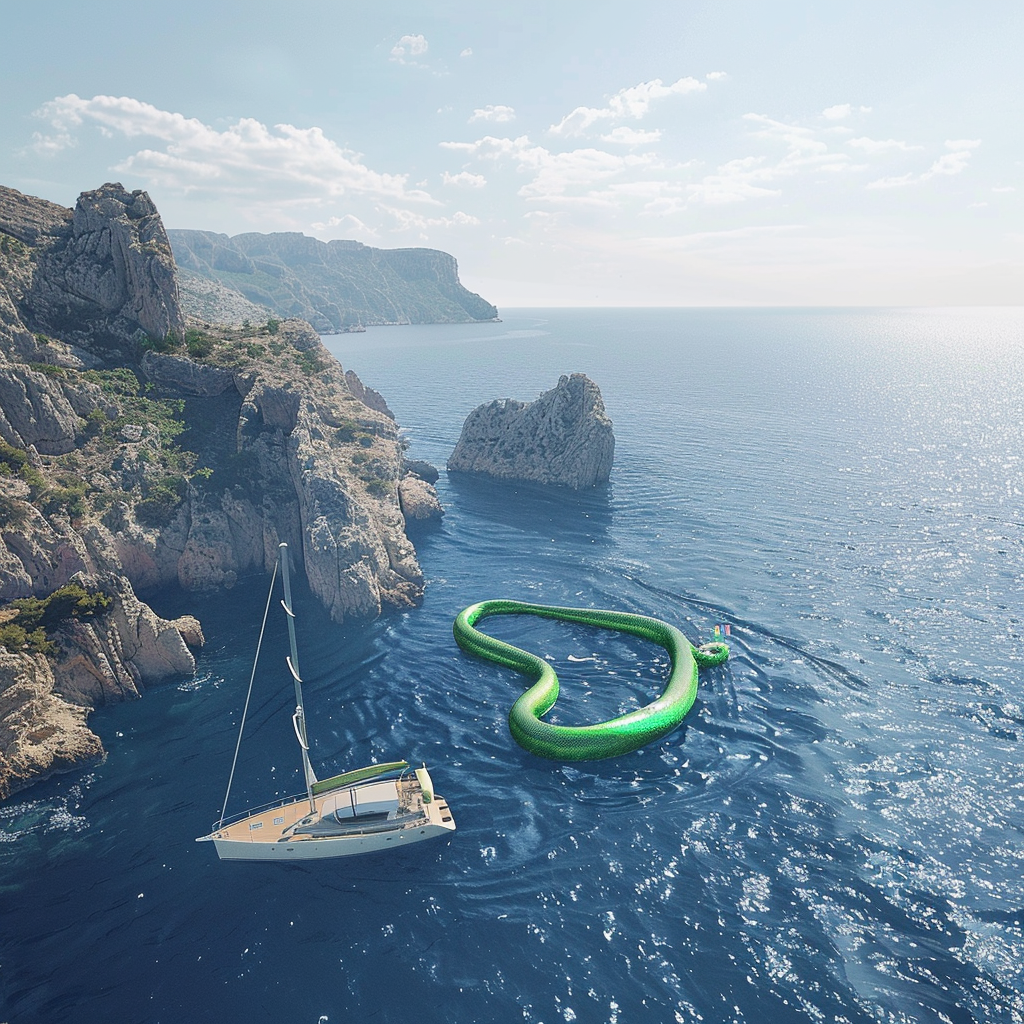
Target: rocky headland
(564, 437)
(140, 449)
(336, 286)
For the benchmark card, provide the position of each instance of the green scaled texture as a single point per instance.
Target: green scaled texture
(605, 739)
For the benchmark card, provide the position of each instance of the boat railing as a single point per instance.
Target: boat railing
(249, 812)
(347, 780)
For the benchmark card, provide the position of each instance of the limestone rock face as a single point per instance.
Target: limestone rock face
(205, 298)
(40, 556)
(40, 733)
(564, 437)
(44, 706)
(369, 397)
(112, 657)
(357, 555)
(102, 275)
(35, 411)
(418, 499)
(30, 219)
(185, 376)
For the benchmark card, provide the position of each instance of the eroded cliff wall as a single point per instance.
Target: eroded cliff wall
(138, 451)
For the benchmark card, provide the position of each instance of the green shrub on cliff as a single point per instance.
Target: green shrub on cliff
(169, 343)
(67, 496)
(120, 381)
(12, 460)
(15, 638)
(199, 344)
(26, 620)
(11, 246)
(13, 514)
(161, 501)
(310, 363)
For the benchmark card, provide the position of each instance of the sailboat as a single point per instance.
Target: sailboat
(379, 807)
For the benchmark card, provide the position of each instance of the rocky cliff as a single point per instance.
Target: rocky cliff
(336, 286)
(564, 437)
(99, 277)
(138, 451)
(106, 655)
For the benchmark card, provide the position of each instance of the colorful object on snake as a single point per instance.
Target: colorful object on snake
(620, 735)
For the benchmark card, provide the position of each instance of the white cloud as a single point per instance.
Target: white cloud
(409, 47)
(589, 176)
(464, 179)
(559, 174)
(954, 162)
(838, 112)
(50, 145)
(409, 220)
(716, 76)
(493, 113)
(349, 223)
(556, 177)
(626, 136)
(626, 103)
(467, 52)
(871, 146)
(804, 150)
(754, 176)
(245, 159)
(1004, 188)
(734, 182)
(841, 111)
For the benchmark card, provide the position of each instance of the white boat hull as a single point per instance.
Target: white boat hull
(371, 817)
(314, 849)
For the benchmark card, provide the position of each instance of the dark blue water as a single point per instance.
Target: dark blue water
(836, 833)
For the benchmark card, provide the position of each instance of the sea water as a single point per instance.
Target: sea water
(836, 833)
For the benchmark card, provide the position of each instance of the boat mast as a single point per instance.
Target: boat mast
(299, 718)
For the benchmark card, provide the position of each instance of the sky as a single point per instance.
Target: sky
(567, 153)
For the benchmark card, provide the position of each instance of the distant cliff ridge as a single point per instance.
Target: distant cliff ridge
(335, 286)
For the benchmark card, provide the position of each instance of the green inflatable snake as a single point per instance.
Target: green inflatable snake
(606, 739)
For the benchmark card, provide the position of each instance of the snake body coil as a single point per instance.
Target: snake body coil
(605, 739)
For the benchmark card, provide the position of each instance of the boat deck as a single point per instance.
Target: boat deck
(287, 822)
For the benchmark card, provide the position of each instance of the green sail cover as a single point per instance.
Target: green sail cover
(357, 775)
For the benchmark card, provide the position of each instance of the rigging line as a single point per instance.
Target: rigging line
(245, 710)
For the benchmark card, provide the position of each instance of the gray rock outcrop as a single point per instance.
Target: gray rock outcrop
(44, 703)
(205, 298)
(101, 276)
(564, 437)
(418, 499)
(369, 397)
(41, 734)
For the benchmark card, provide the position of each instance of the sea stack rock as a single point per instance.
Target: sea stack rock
(565, 437)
